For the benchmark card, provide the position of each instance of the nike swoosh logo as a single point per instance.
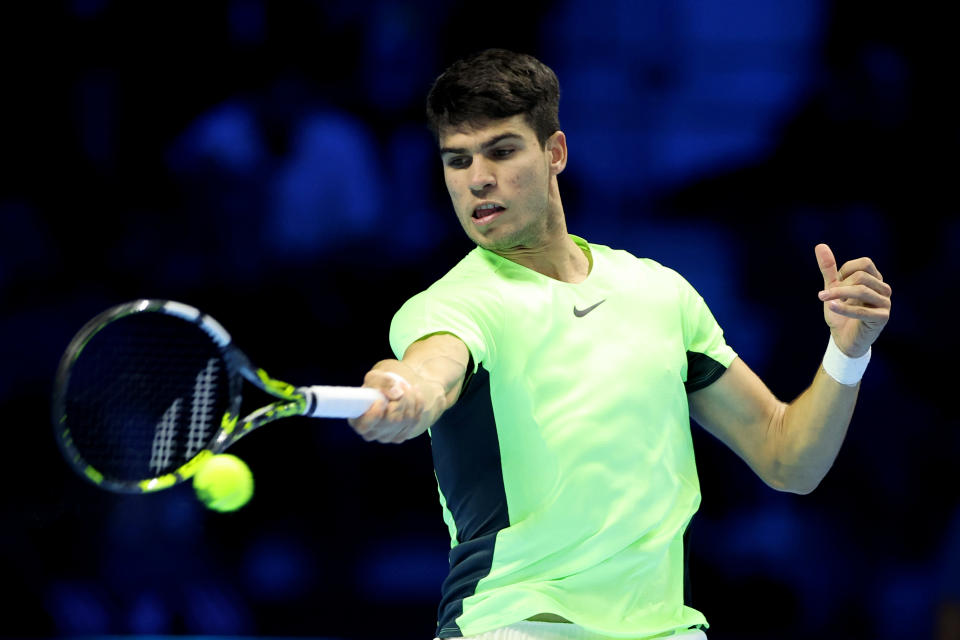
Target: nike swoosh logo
(582, 312)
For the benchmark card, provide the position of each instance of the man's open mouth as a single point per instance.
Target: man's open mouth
(487, 212)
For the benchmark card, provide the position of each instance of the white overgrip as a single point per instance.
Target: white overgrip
(338, 402)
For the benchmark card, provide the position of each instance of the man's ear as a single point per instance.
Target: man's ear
(556, 146)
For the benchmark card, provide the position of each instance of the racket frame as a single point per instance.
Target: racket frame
(292, 401)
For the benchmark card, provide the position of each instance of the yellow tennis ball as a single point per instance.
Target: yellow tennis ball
(224, 483)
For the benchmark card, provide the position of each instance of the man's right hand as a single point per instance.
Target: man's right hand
(418, 389)
(400, 418)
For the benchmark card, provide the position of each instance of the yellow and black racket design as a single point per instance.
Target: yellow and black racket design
(148, 390)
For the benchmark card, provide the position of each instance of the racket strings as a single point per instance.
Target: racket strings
(200, 422)
(145, 395)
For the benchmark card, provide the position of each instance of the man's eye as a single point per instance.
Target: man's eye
(502, 152)
(459, 162)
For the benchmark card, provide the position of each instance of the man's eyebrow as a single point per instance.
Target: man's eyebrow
(486, 145)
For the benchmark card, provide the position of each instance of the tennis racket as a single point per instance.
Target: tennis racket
(149, 390)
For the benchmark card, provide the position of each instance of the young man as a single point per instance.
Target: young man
(557, 379)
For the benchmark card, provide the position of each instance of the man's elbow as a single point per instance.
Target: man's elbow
(801, 488)
(788, 465)
(799, 481)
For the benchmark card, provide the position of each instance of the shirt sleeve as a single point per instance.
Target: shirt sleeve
(708, 354)
(469, 314)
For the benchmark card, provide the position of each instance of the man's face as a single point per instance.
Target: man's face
(499, 179)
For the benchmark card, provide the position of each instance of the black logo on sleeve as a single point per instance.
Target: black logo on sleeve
(582, 312)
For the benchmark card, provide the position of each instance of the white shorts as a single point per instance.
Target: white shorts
(530, 630)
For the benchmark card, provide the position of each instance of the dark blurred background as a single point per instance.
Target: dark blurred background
(269, 163)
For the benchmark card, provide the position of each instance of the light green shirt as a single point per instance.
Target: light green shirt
(567, 477)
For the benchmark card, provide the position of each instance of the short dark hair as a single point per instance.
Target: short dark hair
(494, 84)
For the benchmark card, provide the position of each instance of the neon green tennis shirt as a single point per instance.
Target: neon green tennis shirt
(566, 468)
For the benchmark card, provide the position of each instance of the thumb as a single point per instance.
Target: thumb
(828, 264)
(399, 386)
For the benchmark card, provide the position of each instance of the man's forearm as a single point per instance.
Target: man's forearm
(792, 446)
(810, 431)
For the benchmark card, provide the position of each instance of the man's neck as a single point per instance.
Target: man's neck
(559, 257)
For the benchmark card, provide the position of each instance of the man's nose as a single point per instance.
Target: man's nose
(481, 176)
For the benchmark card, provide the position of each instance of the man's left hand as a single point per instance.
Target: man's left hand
(856, 301)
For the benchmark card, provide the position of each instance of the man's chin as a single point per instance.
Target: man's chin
(492, 240)
(502, 246)
(500, 239)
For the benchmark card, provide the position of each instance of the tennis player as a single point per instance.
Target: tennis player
(557, 379)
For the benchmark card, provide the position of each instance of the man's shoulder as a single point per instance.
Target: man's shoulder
(474, 276)
(478, 269)
(625, 258)
(462, 302)
(476, 262)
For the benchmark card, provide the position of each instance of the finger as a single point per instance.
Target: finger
(858, 292)
(398, 431)
(398, 386)
(376, 380)
(371, 431)
(364, 423)
(869, 280)
(860, 264)
(828, 264)
(399, 416)
(859, 312)
(392, 412)
(405, 418)
(368, 431)
(402, 435)
(392, 418)
(388, 383)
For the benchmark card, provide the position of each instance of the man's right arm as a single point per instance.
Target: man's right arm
(418, 388)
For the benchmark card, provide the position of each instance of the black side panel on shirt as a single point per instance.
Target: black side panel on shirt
(702, 371)
(466, 456)
(687, 586)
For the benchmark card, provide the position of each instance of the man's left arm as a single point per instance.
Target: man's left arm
(791, 446)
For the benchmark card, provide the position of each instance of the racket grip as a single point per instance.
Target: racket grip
(338, 402)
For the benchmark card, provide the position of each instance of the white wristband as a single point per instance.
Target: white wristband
(843, 368)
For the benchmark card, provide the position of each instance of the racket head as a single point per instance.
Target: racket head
(144, 393)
